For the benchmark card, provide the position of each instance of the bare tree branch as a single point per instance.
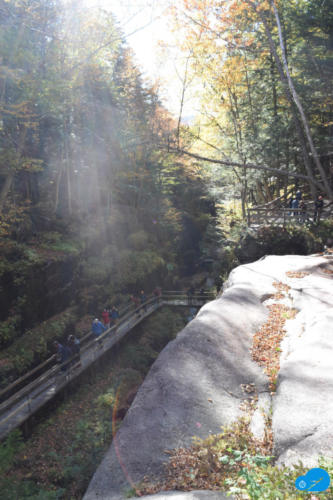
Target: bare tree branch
(229, 163)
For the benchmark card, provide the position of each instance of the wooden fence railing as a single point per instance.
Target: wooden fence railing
(23, 401)
(41, 368)
(282, 216)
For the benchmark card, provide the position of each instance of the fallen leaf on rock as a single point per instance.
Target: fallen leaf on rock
(297, 274)
(248, 388)
(266, 342)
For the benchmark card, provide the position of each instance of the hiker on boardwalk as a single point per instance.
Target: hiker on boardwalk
(299, 196)
(73, 344)
(192, 313)
(190, 293)
(302, 212)
(106, 318)
(157, 292)
(143, 299)
(136, 302)
(294, 204)
(98, 328)
(319, 205)
(114, 314)
(63, 354)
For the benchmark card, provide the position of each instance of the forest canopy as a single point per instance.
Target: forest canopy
(264, 72)
(80, 127)
(93, 206)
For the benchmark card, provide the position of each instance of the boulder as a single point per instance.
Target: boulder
(192, 389)
(195, 385)
(303, 405)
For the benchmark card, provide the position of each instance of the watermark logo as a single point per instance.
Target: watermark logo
(315, 480)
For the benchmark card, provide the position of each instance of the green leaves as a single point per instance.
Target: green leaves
(9, 449)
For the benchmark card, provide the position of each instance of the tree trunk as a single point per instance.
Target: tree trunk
(244, 194)
(56, 200)
(300, 107)
(268, 194)
(6, 188)
(184, 84)
(260, 193)
(68, 173)
(69, 191)
(289, 97)
(254, 127)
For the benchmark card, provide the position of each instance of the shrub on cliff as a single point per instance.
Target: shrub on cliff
(276, 240)
(34, 347)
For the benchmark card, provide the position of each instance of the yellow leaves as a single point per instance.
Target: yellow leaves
(297, 274)
(32, 164)
(266, 342)
(264, 5)
(236, 7)
(20, 111)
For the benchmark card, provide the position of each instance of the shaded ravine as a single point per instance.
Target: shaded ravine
(66, 447)
(24, 403)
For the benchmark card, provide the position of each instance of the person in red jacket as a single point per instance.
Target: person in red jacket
(136, 302)
(106, 318)
(157, 292)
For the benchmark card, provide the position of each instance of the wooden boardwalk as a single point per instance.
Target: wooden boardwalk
(261, 216)
(27, 400)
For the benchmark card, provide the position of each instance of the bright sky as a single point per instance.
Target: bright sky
(147, 18)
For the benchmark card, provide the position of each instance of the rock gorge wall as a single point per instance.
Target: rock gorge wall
(195, 386)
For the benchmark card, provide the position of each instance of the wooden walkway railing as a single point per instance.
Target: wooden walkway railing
(282, 216)
(27, 395)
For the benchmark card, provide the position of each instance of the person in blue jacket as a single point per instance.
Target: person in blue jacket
(63, 354)
(294, 204)
(299, 196)
(114, 314)
(97, 329)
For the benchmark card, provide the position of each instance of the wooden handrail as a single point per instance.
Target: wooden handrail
(274, 210)
(51, 360)
(87, 344)
(284, 209)
(282, 215)
(8, 403)
(16, 384)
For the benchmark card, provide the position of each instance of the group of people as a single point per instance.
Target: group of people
(141, 298)
(110, 316)
(68, 353)
(299, 208)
